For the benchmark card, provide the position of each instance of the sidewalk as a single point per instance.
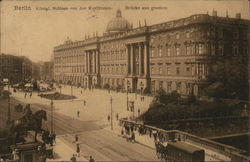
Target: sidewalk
(146, 141)
(140, 139)
(63, 152)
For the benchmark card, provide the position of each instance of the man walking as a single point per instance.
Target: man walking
(78, 149)
(73, 158)
(78, 113)
(108, 118)
(91, 159)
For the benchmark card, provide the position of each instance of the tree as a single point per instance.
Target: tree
(228, 78)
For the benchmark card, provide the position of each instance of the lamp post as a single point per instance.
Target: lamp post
(111, 113)
(127, 92)
(9, 117)
(51, 106)
(71, 89)
(60, 86)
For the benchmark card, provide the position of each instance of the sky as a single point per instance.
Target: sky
(34, 33)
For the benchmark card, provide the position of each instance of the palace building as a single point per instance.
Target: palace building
(172, 55)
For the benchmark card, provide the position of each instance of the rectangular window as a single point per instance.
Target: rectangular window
(212, 49)
(160, 84)
(236, 35)
(168, 51)
(221, 50)
(187, 50)
(152, 52)
(169, 88)
(160, 70)
(200, 49)
(159, 53)
(245, 35)
(245, 51)
(177, 70)
(152, 70)
(188, 69)
(178, 87)
(177, 36)
(177, 51)
(235, 50)
(168, 70)
(220, 33)
(188, 35)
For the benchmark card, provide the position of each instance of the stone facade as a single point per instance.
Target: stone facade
(173, 55)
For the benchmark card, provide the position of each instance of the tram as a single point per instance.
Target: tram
(182, 152)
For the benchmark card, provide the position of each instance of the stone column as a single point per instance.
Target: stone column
(97, 62)
(128, 59)
(131, 60)
(140, 62)
(94, 61)
(203, 70)
(88, 62)
(145, 59)
(85, 59)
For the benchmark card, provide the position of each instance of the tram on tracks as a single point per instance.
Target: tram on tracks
(179, 152)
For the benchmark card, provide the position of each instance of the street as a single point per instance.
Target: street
(91, 126)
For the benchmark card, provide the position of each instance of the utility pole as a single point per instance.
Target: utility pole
(71, 90)
(127, 93)
(9, 117)
(111, 112)
(51, 104)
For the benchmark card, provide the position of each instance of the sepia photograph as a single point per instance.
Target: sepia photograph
(124, 80)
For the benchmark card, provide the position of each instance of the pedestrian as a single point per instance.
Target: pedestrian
(91, 159)
(108, 117)
(84, 102)
(76, 138)
(78, 149)
(81, 91)
(155, 135)
(30, 94)
(117, 116)
(25, 94)
(78, 113)
(122, 132)
(139, 112)
(133, 137)
(73, 158)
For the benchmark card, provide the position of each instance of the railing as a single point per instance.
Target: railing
(226, 150)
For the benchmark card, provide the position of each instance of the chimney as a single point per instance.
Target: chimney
(238, 16)
(214, 13)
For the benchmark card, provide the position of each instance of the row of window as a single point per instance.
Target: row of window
(219, 33)
(171, 86)
(189, 50)
(190, 69)
(113, 69)
(119, 55)
(69, 59)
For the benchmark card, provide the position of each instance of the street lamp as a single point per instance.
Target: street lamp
(71, 89)
(9, 117)
(51, 106)
(111, 112)
(127, 92)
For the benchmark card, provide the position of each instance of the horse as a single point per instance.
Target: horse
(35, 124)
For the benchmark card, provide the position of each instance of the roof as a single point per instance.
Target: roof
(184, 146)
(118, 24)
